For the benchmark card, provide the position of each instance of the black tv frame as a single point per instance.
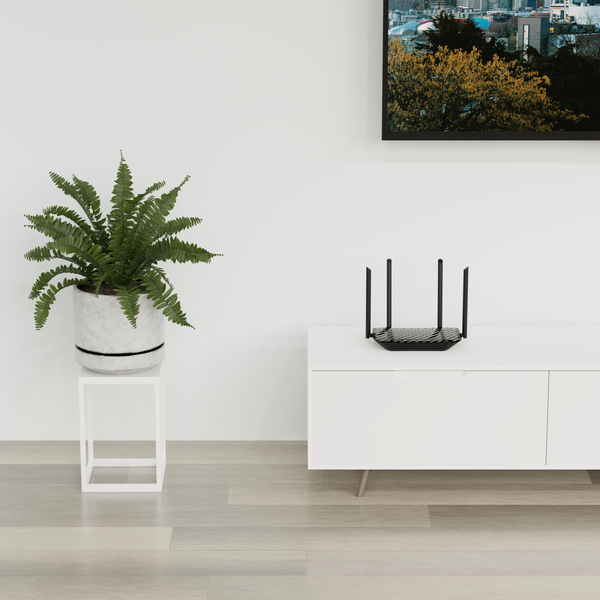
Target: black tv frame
(465, 135)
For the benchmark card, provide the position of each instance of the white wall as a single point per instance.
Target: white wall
(273, 108)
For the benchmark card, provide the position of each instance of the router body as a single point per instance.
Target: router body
(429, 338)
(402, 339)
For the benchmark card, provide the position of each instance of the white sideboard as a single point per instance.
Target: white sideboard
(504, 398)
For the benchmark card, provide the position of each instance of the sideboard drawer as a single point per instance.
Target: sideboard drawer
(444, 419)
(573, 418)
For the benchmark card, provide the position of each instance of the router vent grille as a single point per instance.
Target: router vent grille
(416, 335)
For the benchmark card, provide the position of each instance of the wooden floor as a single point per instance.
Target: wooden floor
(248, 521)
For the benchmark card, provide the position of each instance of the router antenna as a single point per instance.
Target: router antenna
(465, 301)
(440, 285)
(389, 293)
(368, 322)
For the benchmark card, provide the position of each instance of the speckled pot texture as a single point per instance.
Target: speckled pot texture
(106, 342)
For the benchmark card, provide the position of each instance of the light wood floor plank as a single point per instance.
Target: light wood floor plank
(420, 540)
(84, 538)
(40, 474)
(237, 453)
(90, 586)
(39, 453)
(310, 516)
(529, 559)
(391, 480)
(287, 538)
(209, 453)
(503, 494)
(112, 475)
(552, 518)
(404, 588)
(119, 563)
(65, 506)
(217, 453)
(254, 475)
(387, 478)
(185, 506)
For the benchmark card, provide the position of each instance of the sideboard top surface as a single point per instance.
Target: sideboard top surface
(485, 349)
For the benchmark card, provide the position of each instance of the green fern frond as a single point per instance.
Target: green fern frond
(122, 190)
(40, 254)
(174, 226)
(153, 188)
(90, 199)
(164, 299)
(141, 261)
(63, 211)
(120, 218)
(74, 260)
(142, 234)
(151, 218)
(167, 201)
(66, 186)
(52, 227)
(162, 274)
(85, 195)
(129, 301)
(145, 218)
(84, 249)
(46, 300)
(90, 202)
(177, 250)
(97, 280)
(44, 279)
(147, 231)
(44, 253)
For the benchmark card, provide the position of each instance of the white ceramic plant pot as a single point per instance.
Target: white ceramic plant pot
(106, 342)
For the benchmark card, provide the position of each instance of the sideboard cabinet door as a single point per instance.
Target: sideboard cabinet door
(394, 419)
(574, 419)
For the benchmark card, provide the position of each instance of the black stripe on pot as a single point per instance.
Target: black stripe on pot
(119, 353)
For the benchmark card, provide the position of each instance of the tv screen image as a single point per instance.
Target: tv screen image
(491, 69)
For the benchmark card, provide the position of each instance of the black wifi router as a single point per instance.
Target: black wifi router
(438, 338)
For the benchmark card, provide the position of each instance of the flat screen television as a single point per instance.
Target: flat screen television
(454, 71)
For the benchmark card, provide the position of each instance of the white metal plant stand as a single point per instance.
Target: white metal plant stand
(87, 379)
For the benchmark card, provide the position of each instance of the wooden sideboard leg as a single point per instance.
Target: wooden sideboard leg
(363, 483)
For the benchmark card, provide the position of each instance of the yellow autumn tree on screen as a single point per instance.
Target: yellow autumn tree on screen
(455, 91)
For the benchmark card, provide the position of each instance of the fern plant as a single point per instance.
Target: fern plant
(116, 254)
